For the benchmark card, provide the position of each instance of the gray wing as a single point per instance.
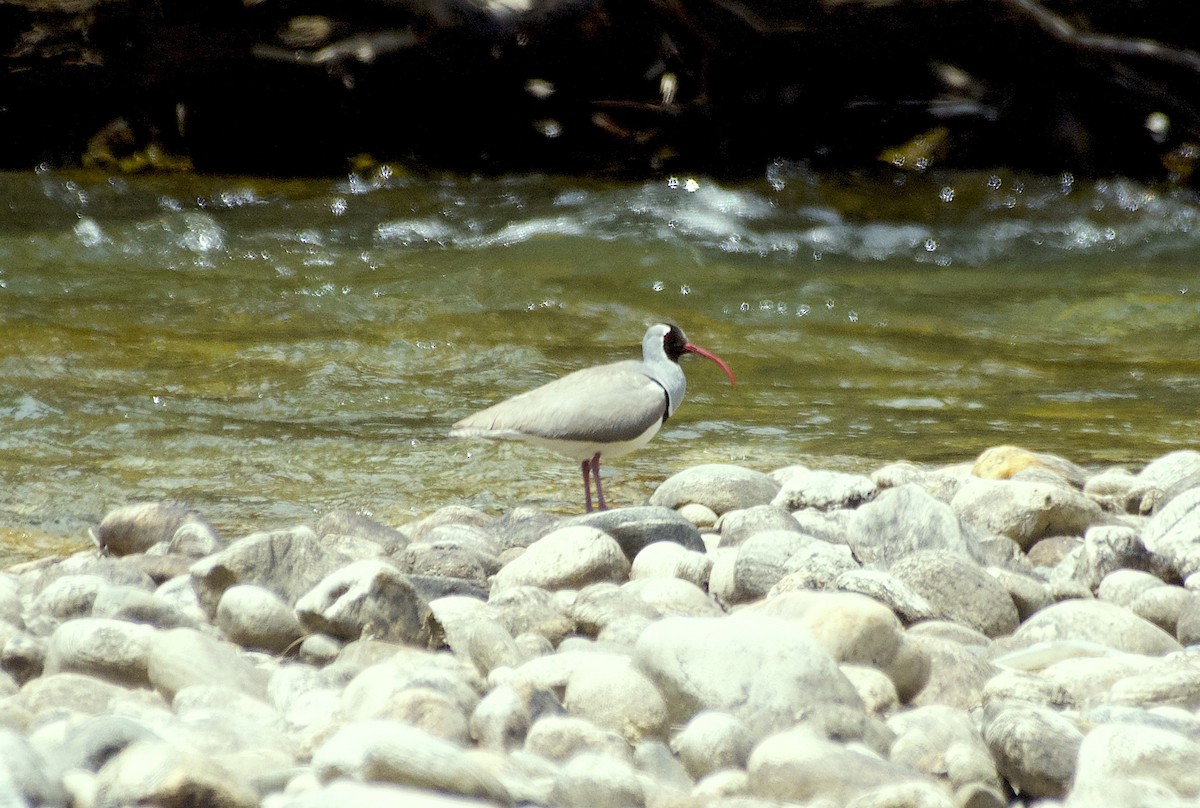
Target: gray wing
(609, 403)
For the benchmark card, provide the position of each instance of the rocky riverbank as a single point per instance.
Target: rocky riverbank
(1007, 631)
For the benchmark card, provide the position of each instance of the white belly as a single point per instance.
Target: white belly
(584, 450)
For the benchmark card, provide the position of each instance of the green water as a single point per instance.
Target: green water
(266, 351)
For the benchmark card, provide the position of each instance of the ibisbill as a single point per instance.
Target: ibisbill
(602, 411)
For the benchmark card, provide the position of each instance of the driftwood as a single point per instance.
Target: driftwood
(612, 86)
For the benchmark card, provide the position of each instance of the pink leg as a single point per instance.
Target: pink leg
(596, 474)
(587, 488)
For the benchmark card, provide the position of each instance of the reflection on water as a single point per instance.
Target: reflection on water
(269, 350)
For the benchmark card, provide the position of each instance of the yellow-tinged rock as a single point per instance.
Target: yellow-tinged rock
(1004, 462)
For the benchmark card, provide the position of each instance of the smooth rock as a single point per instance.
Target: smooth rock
(829, 526)
(763, 670)
(1171, 684)
(139, 606)
(370, 598)
(956, 673)
(710, 741)
(352, 523)
(183, 657)
(737, 526)
(901, 521)
(800, 765)
(379, 690)
(1088, 679)
(597, 781)
(761, 562)
(1005, 462)
(1147, 754)
(567, 558)
(63, 599)
(701, 516)
(851, 628)
(959, 590)
(449, 559)
(389, 751)
(522, 526)
(1163, 606)
(257, 618)
(448, 515)
(137, 527)
(943, 743)
(615, 695)
(673, 596)
(1027, 593)
(89, 695)
(109, 649)
(504, 715)
(1187, 628)
(1021, 686)
(802, 488)
(876, 689)
(636, 528)
(530, 610)
(666, 559)
(195, 539)
(1025, 511)
(1166, 473)
(1096, 621)
(717, 486)
(1035, 748)
(1123, 586)
(1173, 719)
(561, 737)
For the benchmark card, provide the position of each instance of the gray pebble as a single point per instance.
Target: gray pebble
(901, 521)
(183, 657)
(367, 598)
(138, 527)
(597, 781)
(959, 590)
(712, 741)
(737, 526)
(567, 558)
(1025, 511)
(753, 667)
(110, 649)
(717, 486)
(636, 528)
(257, 618)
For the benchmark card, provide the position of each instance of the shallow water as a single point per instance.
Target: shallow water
(268, 350)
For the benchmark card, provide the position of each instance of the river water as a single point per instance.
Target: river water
(267, 350)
